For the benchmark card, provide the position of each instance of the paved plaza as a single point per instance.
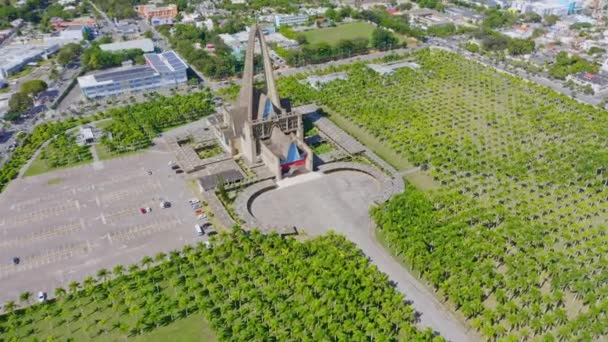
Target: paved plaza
(337, 201)
(66, 225)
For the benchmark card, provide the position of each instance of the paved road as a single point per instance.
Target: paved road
(105, 16)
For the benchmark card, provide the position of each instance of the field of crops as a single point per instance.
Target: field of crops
(514, 236)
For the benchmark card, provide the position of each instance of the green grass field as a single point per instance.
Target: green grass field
(40, 166)
(104, 154)
(333, 35)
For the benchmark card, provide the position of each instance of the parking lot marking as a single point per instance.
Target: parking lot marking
(103, 219)
(44, 258)
(44, 234)
(41, 214)
(141, 230)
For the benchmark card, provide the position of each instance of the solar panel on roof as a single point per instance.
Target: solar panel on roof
(125, 75)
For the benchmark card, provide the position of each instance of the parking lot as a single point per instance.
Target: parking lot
(68, 224)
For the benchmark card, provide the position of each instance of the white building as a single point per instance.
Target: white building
(161, 70)
(16, 56)
(145, 45)
(290, 20)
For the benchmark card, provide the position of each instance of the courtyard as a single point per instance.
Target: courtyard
(337, 201)
(68, 224)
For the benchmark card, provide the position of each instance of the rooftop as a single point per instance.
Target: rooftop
(165, 62)
(600, 79)
(210, 182)
(388, 68)
(146, 45)
(116, 75)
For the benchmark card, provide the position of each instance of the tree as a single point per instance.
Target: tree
(596, 50)
(118, 270)
(20, 102)
(148, 34)
(25, 297)
(517, 46)
(68, 53)
(383, 39)
(551, 20)
(10, 306)
(33, 87)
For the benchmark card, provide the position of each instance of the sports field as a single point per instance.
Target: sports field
(333, 35)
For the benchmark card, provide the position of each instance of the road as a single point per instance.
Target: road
(105, 16)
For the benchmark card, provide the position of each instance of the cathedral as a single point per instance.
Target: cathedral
(261, 127)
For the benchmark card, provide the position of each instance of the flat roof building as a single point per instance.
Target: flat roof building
(16, 56)
(145, 45)
(161, 70)
(151, 11)
(597, 82)
(290, 20)
(317, 82)
(389, 68)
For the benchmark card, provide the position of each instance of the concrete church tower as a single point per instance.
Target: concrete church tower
(261, 126)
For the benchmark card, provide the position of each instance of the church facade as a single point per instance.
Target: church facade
(260, 126)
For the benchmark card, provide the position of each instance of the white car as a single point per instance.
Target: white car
(41, 296)
(194, 201)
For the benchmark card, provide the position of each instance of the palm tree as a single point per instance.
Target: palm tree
(102, 274)
(118, 270)
(160, 257)
(73, 287)
(146, 261)
(10, 306)
(25, 297)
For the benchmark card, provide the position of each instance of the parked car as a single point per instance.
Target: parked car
(208, 228)
(174, 167)
(41, 296)
(165, 204)
(145, 210)
(194, 201)
(16, 261)
(199, 229)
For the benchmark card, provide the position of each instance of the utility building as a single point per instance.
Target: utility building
(261, 126)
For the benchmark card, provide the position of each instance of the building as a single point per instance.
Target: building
(151, 11)
(597, 82)
(317, 82)
(261, 127)
(156, 21)
(389, 68)
(16, 56)
(290, 20)
(161, 70)
(145, 45)
(460, 15)
(426, 18)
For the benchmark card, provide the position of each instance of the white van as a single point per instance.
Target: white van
(199, 229)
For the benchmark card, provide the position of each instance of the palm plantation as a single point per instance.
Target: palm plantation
(512, 230)
(248, 286)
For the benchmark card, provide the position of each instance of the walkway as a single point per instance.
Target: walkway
(29, 162)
